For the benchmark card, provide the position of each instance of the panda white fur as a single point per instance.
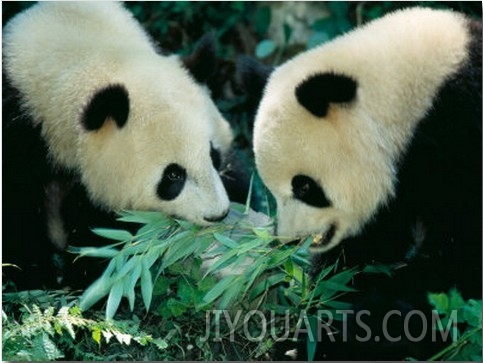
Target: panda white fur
(127, 119)
(112, 124)
(372, 143)
(386, 76)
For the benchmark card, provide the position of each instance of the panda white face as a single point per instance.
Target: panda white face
(141, 148)
(136, 126)
(326, 178)
(334, 121)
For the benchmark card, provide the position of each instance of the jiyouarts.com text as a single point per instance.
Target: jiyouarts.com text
(228, 325)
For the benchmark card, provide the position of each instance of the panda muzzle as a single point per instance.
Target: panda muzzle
(216, 218)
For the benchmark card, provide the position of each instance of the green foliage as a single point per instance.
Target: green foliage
(159, 244)
(327, 28)
(237, 265)
(265, 48)
(467, 345)
(324, 29)
(261, 19)
(178, 25)
(45, 334)
(181, 289)
(247, 258)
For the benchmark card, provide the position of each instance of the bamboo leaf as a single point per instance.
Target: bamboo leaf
(219, 288)
(338, 286)
(222, 262)
(182, 248)
(144, 217)
(293, 297)
(338, 305)
(263, 234)
(114, 234)
(379, 268)
(114, 299)
(312, 343)
(129, 265)
(278, 257)
(266, 284)
(101, 252)
(257, 269)
(146, 287)
(96, 291)
(228, 296)
(325, 272)
(246, 247)
(131, 283)
(225, 240)
(265, 48)
(203, 243)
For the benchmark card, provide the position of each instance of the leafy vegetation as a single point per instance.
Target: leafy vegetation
(46, 335)
(172, 292)
(466, 315)
(248, 269)
(181, 273)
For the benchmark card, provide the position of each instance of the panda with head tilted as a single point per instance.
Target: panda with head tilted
(102, 122)
(372, 143)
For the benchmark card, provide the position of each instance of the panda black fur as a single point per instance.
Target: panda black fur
(372, 143)
(97, 120)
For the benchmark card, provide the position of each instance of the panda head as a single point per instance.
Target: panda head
(153, 140)
(327, 178)
(138, 128)
(335, 121)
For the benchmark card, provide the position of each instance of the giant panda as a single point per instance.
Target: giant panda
(97, 120)
(371, 143)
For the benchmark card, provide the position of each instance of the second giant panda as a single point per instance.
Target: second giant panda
(372, 144)
(101, 122)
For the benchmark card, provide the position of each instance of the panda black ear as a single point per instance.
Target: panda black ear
(113, 102)
(202, 62)
(318, 91)
(253, 76)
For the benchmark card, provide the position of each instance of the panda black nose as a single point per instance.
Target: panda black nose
(216, 218)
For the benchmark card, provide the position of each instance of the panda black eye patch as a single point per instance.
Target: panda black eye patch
(172, 182)
(307, 190)
(215, 157)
